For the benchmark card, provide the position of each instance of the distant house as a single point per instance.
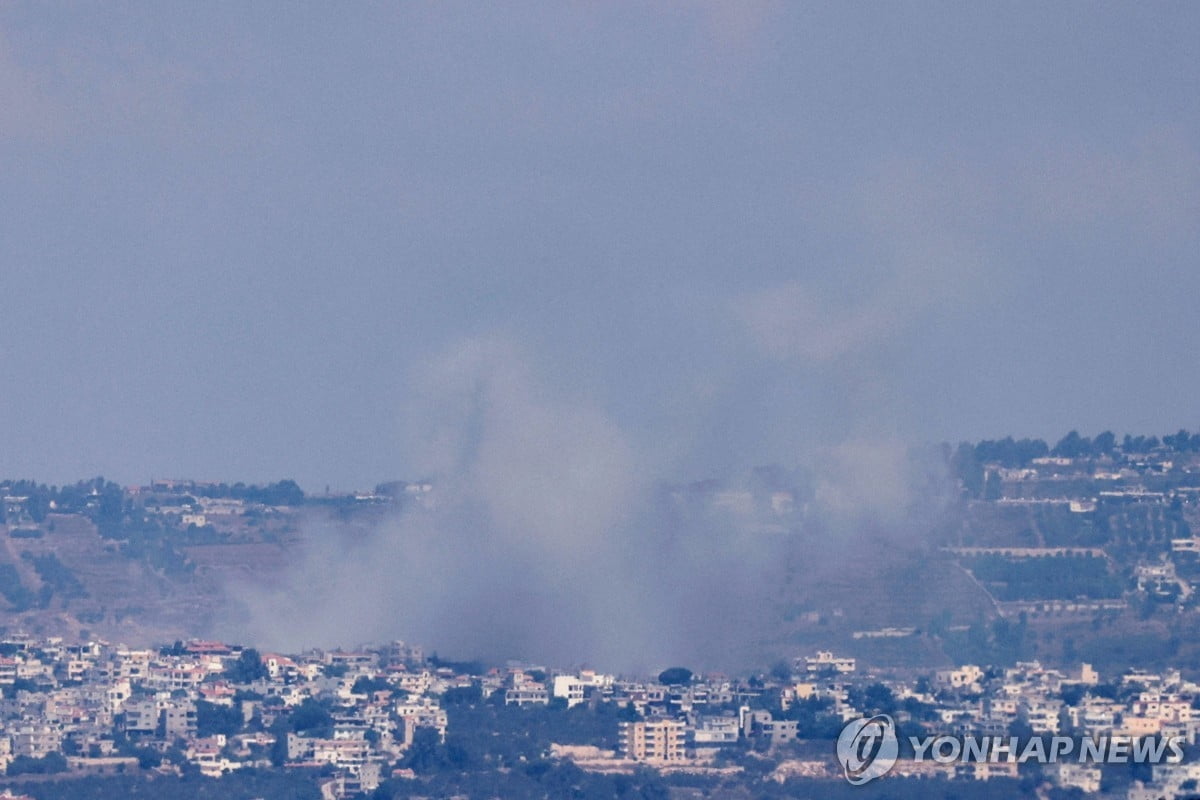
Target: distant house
(1052, 461)
(965, 678)
(825, 660)
(528, 694)
(1189, 545)
(570, 688)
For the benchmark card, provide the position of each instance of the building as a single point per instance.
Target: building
(35, 741)
(716, 731)
(825, 661)
(180, 719)
(529, 694)
(1085, 777)
(653, 740)
(570, 688)
(965, 678)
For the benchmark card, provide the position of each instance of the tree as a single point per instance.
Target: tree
(212, 719)
(1104, 444)
(879, 696)
(1179, 441)
(462, 695)
(1073, 446)
(176, 649)
(365, 685)
(781, 671)
(279, 750)
(675, 676)
(424, 754)
(248, 668)
(964, 464)
(49, 764)
(993, 487)
(312, 718)
(1138, 444)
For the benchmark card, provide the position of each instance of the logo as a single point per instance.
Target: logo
(867, 748)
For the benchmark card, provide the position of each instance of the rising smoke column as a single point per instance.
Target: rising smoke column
(546, 538)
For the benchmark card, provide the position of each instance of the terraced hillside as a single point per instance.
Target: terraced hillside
(88, 584)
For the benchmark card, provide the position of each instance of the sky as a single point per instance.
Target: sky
(250, 241)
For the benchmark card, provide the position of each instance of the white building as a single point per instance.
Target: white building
(824, 660)
(570, 688)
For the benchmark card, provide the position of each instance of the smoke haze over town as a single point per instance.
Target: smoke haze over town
(736, 234)
(560, 260)
(548, 533)
(599, 400)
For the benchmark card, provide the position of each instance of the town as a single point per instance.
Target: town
(383, 721)
(1052, 594)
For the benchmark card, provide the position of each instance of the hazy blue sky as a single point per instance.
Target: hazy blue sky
(237, 239)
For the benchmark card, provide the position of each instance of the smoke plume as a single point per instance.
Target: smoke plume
(545, 537)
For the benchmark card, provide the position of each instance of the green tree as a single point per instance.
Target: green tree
(675, 676)
(1104, 444)
(47, 765)
(1073, 446)
(248, 668)
(312, 718)
(992, 487)
(965, 465)
(213, 719)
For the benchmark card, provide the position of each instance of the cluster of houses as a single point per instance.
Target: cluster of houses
(1114, 478)
(96, 707)
(1154, 498)
(1033, 701)
(684, 728)
(1110, 466)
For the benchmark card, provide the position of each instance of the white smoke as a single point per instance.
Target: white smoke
(546, 539)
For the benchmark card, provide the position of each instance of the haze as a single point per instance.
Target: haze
(238, 239)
